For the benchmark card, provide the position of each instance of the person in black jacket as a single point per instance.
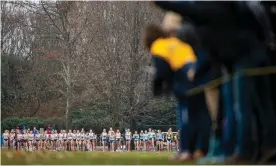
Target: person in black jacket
(234, 37)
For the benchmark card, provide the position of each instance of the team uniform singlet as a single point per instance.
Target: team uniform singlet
(141, 136)
(94, 136)
(82, 136)
(19, 137)
(169, 137)
(87, 137)
(128, 134)
(90, 136)
(104, 136)
(78, 136)
(112, 136)
(12, 137)
(37, 137)
(65, 137)
(31, 137)
(146, 136)
(60, 136)
(48, 137)
(151, 135)
(160, 136)
(43, 137)
(74, 136)
(26, 137)
(136, 137)
(54, 137)
(70, 136)
(118, 136)
(6, 136)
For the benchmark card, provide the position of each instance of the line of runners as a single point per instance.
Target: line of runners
(80, 140)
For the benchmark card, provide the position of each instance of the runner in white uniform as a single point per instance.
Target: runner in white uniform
(70, 140)
(87, 141)
(60, 140)
(44, 140)
(65, 140)
(78, 136)
(19, 138)
(111, 135)
(74, 135)
(26, 140)
(54, 140)
(118, 140)
(12, 139)
(128, 139)
(38, 141)
(94, 141)
(48, 139)
(104, 138)
(31, 140)
(82, 139)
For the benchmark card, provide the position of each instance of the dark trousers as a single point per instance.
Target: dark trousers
(229, 125)
(196, 123)
(247, 93)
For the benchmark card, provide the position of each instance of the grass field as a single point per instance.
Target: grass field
(87, 158)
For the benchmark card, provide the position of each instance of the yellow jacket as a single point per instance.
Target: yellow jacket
(175, 52)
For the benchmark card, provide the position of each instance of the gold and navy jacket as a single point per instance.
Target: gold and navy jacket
(172, 58)
(175, 52)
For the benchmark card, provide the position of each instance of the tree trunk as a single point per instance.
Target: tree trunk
(67, 113)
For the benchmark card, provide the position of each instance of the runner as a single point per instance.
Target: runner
(31, 140)
(104, 138)
(111, 135)
(82, 139)
(12, 139)
(6, 136)
(78, 140)
(70, 140)
(38, 141)
(151, 140)
(128, 139)
(19, 139)
(141, 143)
(48, 141)
(26, 139)
(60, 142)
(65, 140)
(44, 137)
(74, 136)
(118, 140)
(136, 140)
(94, 141)
(160, 139)
(169, 139)
(146, 137)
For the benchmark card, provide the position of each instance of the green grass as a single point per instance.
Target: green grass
(87, 158)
